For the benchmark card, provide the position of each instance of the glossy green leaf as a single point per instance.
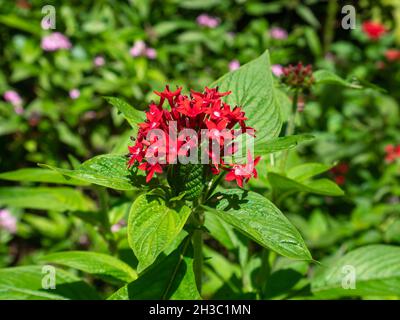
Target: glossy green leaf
(172, 278)
(40, 175)
(108, 170)
(58, 199)
(98, 264)
(25, 282)
(152, 226)
(375, 270)
(253, 89)
(259, 219)
(132, 115)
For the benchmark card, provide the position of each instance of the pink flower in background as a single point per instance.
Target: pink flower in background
(99, 61)
(329, 56)
(151, 53)
(8, 221)
(14, 98)
(277, 70)
(278, 33)
(205, 20)
(74, 94)
(231, 35)
(138, 49)
(55, 41)
(234, 65)
(116, 227)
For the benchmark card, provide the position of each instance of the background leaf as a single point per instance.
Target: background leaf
(40, 175)
(377, 273)
(327, 77)
(95, 263)
(319, 186)
(21, 283)
(58, 199)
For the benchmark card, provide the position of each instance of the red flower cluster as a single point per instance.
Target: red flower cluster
(197, 112)
(339, 172)
(374, 30)
(298, 76)
(392, 153)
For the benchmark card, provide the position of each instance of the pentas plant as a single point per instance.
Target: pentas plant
(200, 117)
(184, 188)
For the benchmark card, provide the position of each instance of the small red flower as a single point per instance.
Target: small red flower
(340, 180)
(145, 166)
(392, 55)
(243, 172)
(392, 153)
(339, 173)
(374, 30)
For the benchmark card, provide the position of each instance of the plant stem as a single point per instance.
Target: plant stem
(329, 30)
(197, 238)
(104, 219)
(290, 127)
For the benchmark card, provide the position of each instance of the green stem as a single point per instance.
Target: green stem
(213, 186)
(290, 127)
(197, 239)
(104, 219)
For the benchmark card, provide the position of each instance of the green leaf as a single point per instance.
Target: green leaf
(307, 15)
(252, 88)
(152, 226)
(307, 170)
(263, 148)
(328, 77)
(198, 4)
(189, 178)
(58, 199)
(108, 170)
(22, 283)
(221, 231)
(319, 186)
(281, 143)
(20, 23)
(313, 41)
(376, 270)
(132, 115)
(98, 264)
(39, 175)
(172, 278)
(259, 219)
